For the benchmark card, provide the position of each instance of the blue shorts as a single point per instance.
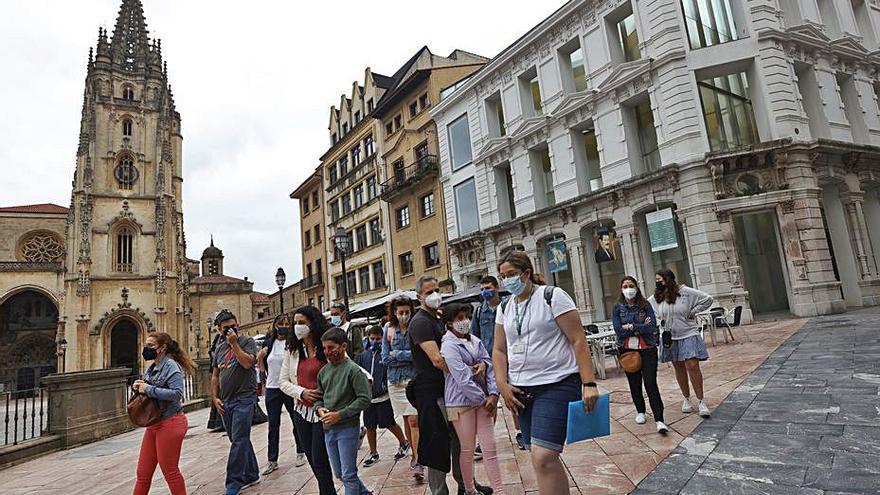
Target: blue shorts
(544, 420)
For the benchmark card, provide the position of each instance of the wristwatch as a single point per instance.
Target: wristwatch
(590, 384)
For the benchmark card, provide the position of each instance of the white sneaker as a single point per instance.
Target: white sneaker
(686, 406)
(270, 468)
(640, 418)
(661, 428)
(251, 484)
(300, 460)
(704, 409)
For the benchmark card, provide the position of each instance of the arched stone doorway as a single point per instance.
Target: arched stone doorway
(124, 346)
(28, 324)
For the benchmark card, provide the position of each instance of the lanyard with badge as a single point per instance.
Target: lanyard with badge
(519, 346)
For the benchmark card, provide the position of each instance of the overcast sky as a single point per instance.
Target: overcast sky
(253, 82)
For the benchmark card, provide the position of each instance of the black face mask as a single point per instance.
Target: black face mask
(149, 354)
(283, 331)
(659, 285)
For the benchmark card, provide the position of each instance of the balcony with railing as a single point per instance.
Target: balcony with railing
(424, 168)
(313, 280)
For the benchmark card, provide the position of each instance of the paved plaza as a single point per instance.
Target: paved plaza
(802, 421)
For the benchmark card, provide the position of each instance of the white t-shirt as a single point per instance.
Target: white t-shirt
(547, 356)
(275, 359)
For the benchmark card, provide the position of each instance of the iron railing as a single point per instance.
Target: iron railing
(26, 414)
(313, 280)
(424, 167)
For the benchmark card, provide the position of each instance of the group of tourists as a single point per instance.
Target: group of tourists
(443, 370)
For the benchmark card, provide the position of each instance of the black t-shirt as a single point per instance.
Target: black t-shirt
(425, 327)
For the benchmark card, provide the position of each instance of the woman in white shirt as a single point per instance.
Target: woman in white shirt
(269, 360)
(303, 359)
(542, 363)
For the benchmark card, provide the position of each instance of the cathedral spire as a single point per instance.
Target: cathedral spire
(131, 42)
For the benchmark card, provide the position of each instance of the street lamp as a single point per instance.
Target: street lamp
(63, 346)
(280, 278)
(198, 340)
(342, 242)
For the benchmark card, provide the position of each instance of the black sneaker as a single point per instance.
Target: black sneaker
(483, 490)
(402, 451)
(478, 453)
(519, 441)
(373, 458)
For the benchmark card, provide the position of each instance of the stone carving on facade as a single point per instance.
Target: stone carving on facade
(787, 207)
(83, 284)
(160, 280)
(124, 307)
(85, 219)
(41, 247)
(747, 174)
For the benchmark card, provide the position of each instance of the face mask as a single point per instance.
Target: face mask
(334, 357)
(488, 294)
(336, 320)
(514, 285)
(659, 285)
(283, 332)
(630, 293)
(149, 354)
(374, 346)
(462, 326)
(433, 300)
(403, 319)
(301, 331)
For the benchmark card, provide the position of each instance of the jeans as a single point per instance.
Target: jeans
(437, 479)
(241, 467)
(342, 447)
(275, 398)
(311, 437)
(473, 423)
(161, 445)
(544, 420)
(648, 375)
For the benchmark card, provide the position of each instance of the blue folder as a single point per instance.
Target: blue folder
(583, 425)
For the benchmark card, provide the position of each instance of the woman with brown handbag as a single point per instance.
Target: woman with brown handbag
(637, 338)
(162, 440)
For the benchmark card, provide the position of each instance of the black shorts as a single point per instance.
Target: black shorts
(379, 415)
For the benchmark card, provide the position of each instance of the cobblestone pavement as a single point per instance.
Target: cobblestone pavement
(806, 421)
(614, 464)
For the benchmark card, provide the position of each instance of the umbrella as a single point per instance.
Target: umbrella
(376, 307)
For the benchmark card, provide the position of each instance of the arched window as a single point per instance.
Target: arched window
(126, 173)
(126, 127)
(124, 251)
(128, 93)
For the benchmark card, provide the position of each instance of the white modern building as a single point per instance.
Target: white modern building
(735, 142)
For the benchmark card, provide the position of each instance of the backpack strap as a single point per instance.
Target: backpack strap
(548, 294)
(504, 305)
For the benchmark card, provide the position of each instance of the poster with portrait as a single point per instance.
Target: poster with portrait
(605, 243)
(557, 261)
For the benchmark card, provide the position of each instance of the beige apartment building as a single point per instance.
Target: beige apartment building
(313, 237)
(351, 178)
(411, 186)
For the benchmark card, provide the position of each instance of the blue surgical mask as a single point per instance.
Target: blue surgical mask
(488, 294)
(514, 285)
(335, 320)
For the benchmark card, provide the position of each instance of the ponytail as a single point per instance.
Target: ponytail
(173, 350)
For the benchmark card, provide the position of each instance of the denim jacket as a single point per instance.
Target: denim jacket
(165, 385)
(462, 390)
(624, 314)
(400, 365)
(483, 325)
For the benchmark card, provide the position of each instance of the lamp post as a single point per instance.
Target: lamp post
(280, 278)
(341, 242)
(198, 341)
(63, 346)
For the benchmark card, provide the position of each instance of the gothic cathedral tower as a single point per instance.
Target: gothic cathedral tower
(126, 253)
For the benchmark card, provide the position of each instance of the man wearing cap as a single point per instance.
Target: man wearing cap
(339, 318)
(234, 394)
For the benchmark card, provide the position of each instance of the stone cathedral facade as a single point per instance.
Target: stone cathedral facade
(121, 270)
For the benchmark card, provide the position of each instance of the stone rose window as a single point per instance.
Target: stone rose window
(42, 247)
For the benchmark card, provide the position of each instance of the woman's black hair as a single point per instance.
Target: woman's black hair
(317, 324)
(669, 292)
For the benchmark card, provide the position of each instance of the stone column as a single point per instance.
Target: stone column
(87, 406)
(575, 246)
(858, 233)
(629, 239)
(202, 379)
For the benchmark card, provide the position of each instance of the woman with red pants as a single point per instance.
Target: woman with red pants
(163, 381)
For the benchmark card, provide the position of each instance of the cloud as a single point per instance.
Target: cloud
(253, 82)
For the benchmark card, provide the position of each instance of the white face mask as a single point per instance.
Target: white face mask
(433, 300)
(403, 319)
(301, 331)
(630, 293)
(462, 326)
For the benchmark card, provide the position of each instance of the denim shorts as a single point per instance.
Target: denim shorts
(544, 420)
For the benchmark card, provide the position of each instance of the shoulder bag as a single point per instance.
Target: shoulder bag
(143, 410)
